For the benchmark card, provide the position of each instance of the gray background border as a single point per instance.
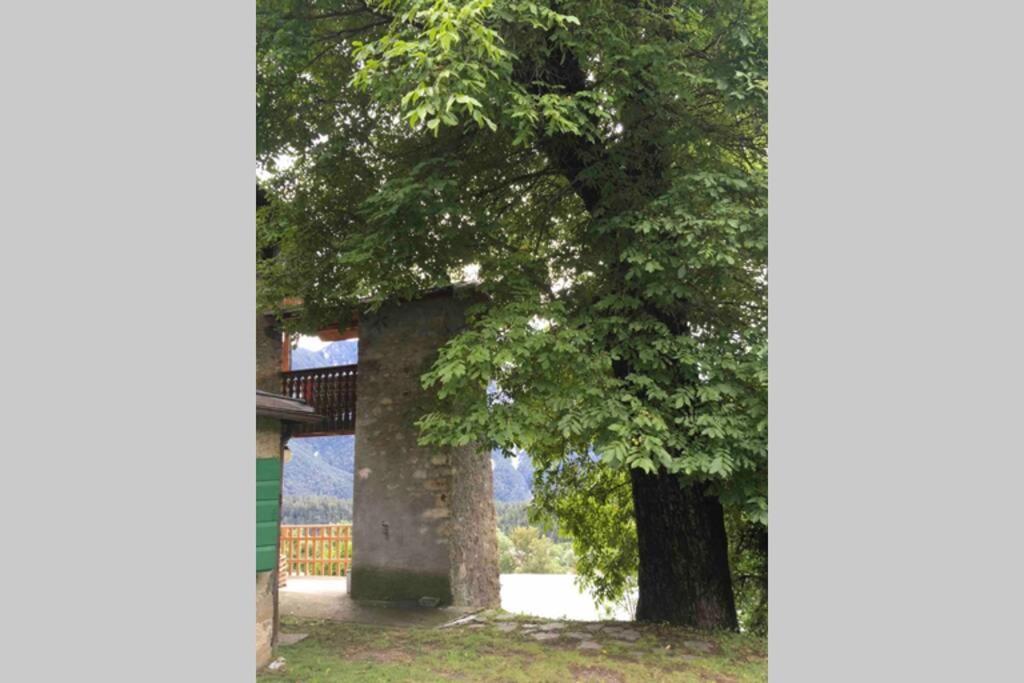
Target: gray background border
(127, 138)
(894, 326)
(128, 141)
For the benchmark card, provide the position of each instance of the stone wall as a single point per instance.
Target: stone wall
(423, 518)
(265, 591)
(268, 355)
(268, 445)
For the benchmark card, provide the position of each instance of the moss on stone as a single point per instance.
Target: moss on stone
(399, 586)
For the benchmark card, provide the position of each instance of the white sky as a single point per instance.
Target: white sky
(311, 343)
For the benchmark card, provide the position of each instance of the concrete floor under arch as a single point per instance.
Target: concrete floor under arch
(552, 596)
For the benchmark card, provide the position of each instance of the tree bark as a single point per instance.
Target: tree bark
(684, 564)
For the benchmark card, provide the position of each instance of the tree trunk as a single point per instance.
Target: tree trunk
(684, 564)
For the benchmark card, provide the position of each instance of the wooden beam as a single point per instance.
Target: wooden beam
(335, 432)
(333, 334)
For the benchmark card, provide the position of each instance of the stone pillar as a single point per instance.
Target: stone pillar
(424, 526)
(268, 445)
(268, 355)
(265, 610)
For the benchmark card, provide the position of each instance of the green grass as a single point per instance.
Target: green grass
(353, 652)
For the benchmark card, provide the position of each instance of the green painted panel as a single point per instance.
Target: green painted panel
(266, 510)
(266, 558)
(268, 469)
(268, 492)
(266, 533)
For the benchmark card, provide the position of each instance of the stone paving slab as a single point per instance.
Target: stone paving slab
(544, 636)
(552, 626)
(622, 634)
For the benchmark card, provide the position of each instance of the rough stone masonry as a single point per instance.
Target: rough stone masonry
(268, 445)
(423, 518)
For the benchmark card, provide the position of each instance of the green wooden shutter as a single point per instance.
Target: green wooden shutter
(268, 492)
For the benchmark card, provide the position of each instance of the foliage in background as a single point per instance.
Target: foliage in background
(315, 510)
(748, 559)
(591, 504)
(525, 550)
(511, 515)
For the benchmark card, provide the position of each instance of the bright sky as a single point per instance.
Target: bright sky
(311, 343)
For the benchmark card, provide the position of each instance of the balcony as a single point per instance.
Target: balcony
(332, 393)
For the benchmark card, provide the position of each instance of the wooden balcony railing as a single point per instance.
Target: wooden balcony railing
(317, 549)
(332, 393)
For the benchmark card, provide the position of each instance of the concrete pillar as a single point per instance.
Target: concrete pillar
(423, 518)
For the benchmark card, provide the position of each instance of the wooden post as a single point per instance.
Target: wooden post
(286, 352)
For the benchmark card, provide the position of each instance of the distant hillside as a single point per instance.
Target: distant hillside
(335, 353)
(320, 466)
(513, 477)
(323, 466)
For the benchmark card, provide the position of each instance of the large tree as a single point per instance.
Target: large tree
(601, 166)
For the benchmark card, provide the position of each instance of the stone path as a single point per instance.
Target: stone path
(326, 599)
(586, 636)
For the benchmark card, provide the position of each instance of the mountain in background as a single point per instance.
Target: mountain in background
(320, 466)
(335, 353)
(513, 477)
(323, 466)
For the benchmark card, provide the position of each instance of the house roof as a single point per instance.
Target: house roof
(284, 408)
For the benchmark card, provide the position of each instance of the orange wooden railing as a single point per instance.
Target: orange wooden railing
(317, 549)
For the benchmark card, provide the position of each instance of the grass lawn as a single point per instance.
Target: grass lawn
(499, 650)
